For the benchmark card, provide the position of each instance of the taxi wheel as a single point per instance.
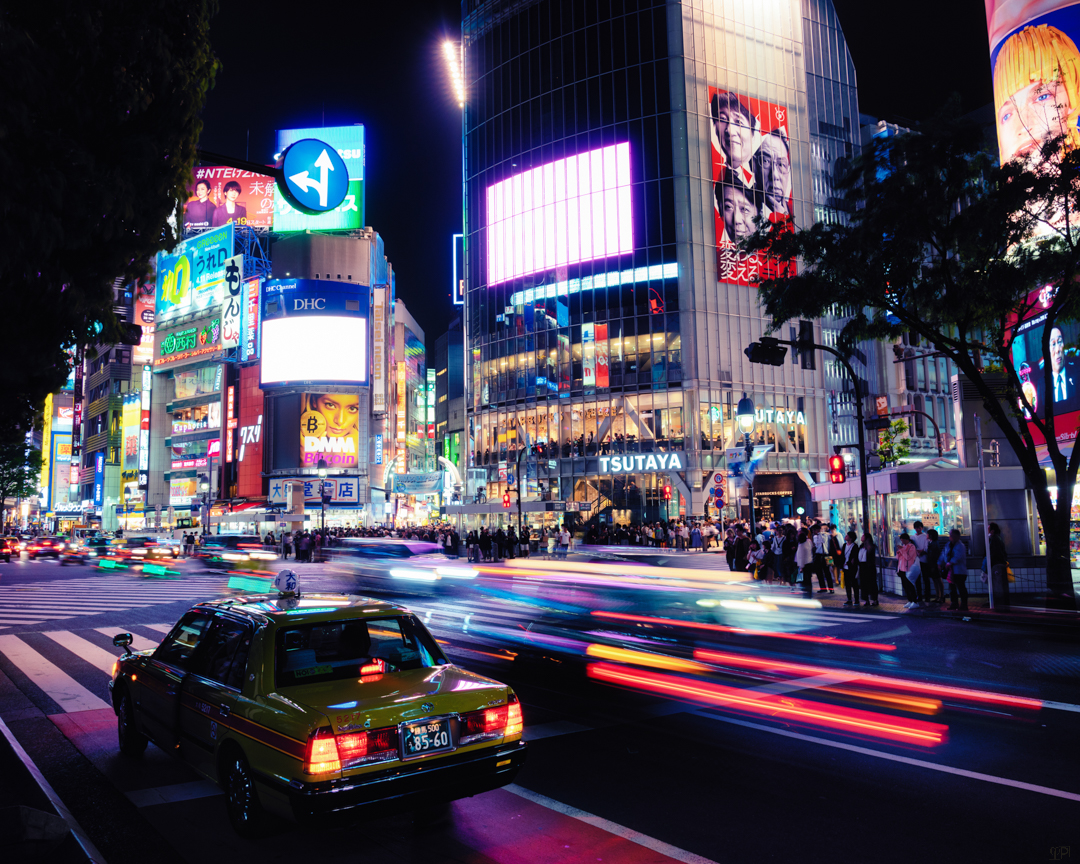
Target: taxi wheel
(132, 742)
(241, 799)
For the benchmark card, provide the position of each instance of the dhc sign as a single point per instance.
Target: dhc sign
(641, 462)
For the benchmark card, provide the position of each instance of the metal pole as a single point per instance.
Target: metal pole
(749, 482)
(986, 514)
(517, 474)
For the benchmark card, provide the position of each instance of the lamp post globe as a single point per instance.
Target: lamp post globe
(744, 413)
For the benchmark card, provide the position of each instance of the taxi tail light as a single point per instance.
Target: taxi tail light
(377, 745)
(322, 754)
(492, 722)
(375, 667)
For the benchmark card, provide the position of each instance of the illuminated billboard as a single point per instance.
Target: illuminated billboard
(314, 331)
(330, 429)
(131, 422)
(314, 349)
(192, 277)
(187, 343)
(1036, 67)
(1062, 360)
(221, 195)
(565, 212)
(349, 143)
(143, 353)
(751, 160)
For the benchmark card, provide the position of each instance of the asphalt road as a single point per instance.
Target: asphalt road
(689, 731)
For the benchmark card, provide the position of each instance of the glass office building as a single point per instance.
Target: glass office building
(616, 151)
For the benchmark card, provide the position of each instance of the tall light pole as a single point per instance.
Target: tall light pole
(322, 494)
(745, 414)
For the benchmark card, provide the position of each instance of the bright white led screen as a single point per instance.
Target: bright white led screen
(327, 348)
(573, 210)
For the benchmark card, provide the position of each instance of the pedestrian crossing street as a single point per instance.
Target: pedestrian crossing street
(38, 602)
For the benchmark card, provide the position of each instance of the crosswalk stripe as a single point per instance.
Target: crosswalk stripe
(138, 643)
(80, 647)
(68, 693)
(161, 628)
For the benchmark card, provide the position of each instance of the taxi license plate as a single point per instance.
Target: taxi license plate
(431, 736)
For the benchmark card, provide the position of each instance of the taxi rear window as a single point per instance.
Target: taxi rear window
(353, 648)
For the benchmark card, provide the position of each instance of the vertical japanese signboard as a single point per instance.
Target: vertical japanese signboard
(378, 350)
(249, 345)
(233, 302)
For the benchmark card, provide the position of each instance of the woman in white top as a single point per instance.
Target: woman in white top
(804, 557)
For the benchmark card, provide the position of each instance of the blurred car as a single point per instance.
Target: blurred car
(144, 548)
(9, 546)
(305, 706)
(44, 547)
(411, 566)
(88, 550)
(229, 551)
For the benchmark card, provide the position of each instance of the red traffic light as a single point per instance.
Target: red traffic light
(667, 493)
(837, 469)
(506, 500)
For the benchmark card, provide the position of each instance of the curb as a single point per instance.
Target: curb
(85, 844)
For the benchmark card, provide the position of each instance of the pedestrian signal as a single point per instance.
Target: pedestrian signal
(667, 493)
(506, 500)
(837, 469)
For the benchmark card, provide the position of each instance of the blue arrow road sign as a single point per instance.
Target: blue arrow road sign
(316, 178)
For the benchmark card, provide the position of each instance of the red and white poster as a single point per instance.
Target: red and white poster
(751, 179)
(602, 377)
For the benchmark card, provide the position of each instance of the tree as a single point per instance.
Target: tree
(99, 122)
(893, 443)
(943, 243)
(20, 469)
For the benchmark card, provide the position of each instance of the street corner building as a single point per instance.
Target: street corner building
(614, 157)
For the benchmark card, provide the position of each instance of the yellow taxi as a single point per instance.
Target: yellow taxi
(307, 705)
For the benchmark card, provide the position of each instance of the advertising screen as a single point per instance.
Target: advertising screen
(221, 195)
(143, 353)
(751, 179)
(314, 348)
(565, 212)
(197, 382)
(349, 143)
(182, 491)
(330, 429)
(132, 419)
(1063, 359)
(192, 278)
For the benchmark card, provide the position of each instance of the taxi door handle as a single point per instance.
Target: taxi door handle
(224, 710)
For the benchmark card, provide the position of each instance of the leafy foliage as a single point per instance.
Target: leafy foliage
(945, 244)
(893, 444)
(20, 468)
(99, 120)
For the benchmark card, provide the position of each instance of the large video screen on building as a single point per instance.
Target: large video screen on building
(314, 349)
(751, 179)
(222, 195)
(330, 429)
(565, 212)
(1063, 358)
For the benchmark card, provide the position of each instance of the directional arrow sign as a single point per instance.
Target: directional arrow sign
(316, 178)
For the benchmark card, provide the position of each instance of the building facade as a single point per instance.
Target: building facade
(614, 157)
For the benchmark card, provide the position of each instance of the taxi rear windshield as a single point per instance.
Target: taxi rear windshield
(353, 648)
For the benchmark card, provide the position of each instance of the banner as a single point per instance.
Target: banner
(588, 355)
(249, 345)
(192, 277)
(602, 377)
(751, 180)
(132, 422)
(378, 350)
(222, 195)
(418, 484)
(330, 429)
(343, 490)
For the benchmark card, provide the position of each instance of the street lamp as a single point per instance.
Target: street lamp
(745, 412)
(204, 487)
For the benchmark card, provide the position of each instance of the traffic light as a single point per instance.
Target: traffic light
(506, 500)
(806, 344)
(768, 351)
(876, 424)
(837, 469)
(667, 493)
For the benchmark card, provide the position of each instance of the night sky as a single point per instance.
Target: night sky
(326, 63)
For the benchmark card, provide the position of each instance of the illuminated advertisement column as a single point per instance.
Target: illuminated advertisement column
(1036, 68)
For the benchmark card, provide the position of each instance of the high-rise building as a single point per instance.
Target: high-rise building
(614, 157)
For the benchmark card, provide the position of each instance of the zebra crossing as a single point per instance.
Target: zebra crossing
(39, 602)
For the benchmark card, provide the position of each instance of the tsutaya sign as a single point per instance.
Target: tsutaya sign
(641, 462)
(779, 415)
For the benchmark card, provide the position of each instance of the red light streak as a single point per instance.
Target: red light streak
(725, 658)
(720, 628)
(778, 707)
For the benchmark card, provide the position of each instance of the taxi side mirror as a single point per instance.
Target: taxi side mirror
(123, 640)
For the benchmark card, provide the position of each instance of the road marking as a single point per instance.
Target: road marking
(609, 826)
(88, 651)
(68, 693)
(161, 628)
(174, 793)
(1062, 706)
(892, 757)
(138, 643)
